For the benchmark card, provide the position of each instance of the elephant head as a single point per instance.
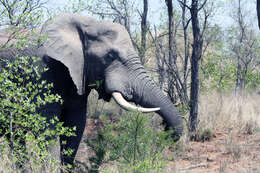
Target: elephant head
(102, 52)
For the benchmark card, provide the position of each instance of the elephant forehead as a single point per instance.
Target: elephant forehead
(107, 36)
(111, 30)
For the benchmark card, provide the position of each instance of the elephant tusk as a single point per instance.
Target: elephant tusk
(126, 105)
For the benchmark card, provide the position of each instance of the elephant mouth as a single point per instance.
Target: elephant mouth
(103, 95)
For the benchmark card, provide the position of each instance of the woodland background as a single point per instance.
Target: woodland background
(205, 55)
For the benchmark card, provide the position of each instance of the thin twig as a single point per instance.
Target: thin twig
(194, 166)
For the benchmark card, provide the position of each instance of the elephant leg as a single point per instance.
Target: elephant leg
(73, 115)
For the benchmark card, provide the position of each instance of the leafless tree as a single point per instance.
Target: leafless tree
(198, 31)
(243, 45)
(172, 56)
(160, 55)
(195, 57)
(176, 74)
(144, 29)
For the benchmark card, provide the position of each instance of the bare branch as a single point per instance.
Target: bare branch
(184, 4)
(202, 5)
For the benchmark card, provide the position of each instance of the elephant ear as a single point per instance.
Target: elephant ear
(65, 42)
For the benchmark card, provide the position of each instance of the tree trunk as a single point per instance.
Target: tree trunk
(186, 51)
(172, 55)
(170, 28)
(239, 81)
(144, 31)
(196, 55)
(258, 12)
(194, 93)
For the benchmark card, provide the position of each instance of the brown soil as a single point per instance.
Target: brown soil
(224, 153)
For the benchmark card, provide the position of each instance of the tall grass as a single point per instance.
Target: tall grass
(226, 112)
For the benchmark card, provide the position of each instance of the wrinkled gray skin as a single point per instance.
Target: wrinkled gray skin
(80, 51)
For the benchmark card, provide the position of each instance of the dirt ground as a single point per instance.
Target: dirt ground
(224, 153)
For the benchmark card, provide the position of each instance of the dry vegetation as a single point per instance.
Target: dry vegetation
(231, 123)
(227, 113)
(235, 139)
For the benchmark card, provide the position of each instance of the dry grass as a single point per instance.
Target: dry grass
(234, 123)
(227, 113)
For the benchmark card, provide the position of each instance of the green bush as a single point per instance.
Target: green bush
(132, 142)
(20, 124)
(217, 73)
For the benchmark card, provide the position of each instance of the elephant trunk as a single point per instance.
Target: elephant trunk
(151, 96)
(130, 80)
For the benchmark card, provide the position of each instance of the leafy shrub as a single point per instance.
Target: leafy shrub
(20, 124)
(204, 135)
(132, 142)
(218, 72)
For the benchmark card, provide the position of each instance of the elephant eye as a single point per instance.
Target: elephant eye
(112, 55)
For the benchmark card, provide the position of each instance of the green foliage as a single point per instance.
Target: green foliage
(252, 80)
(97, 84)
(25, 139)
(132, 142)
(22, 13)
(218, 72)
(21, 98)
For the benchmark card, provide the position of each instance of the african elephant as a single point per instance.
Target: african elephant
(79, 51)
